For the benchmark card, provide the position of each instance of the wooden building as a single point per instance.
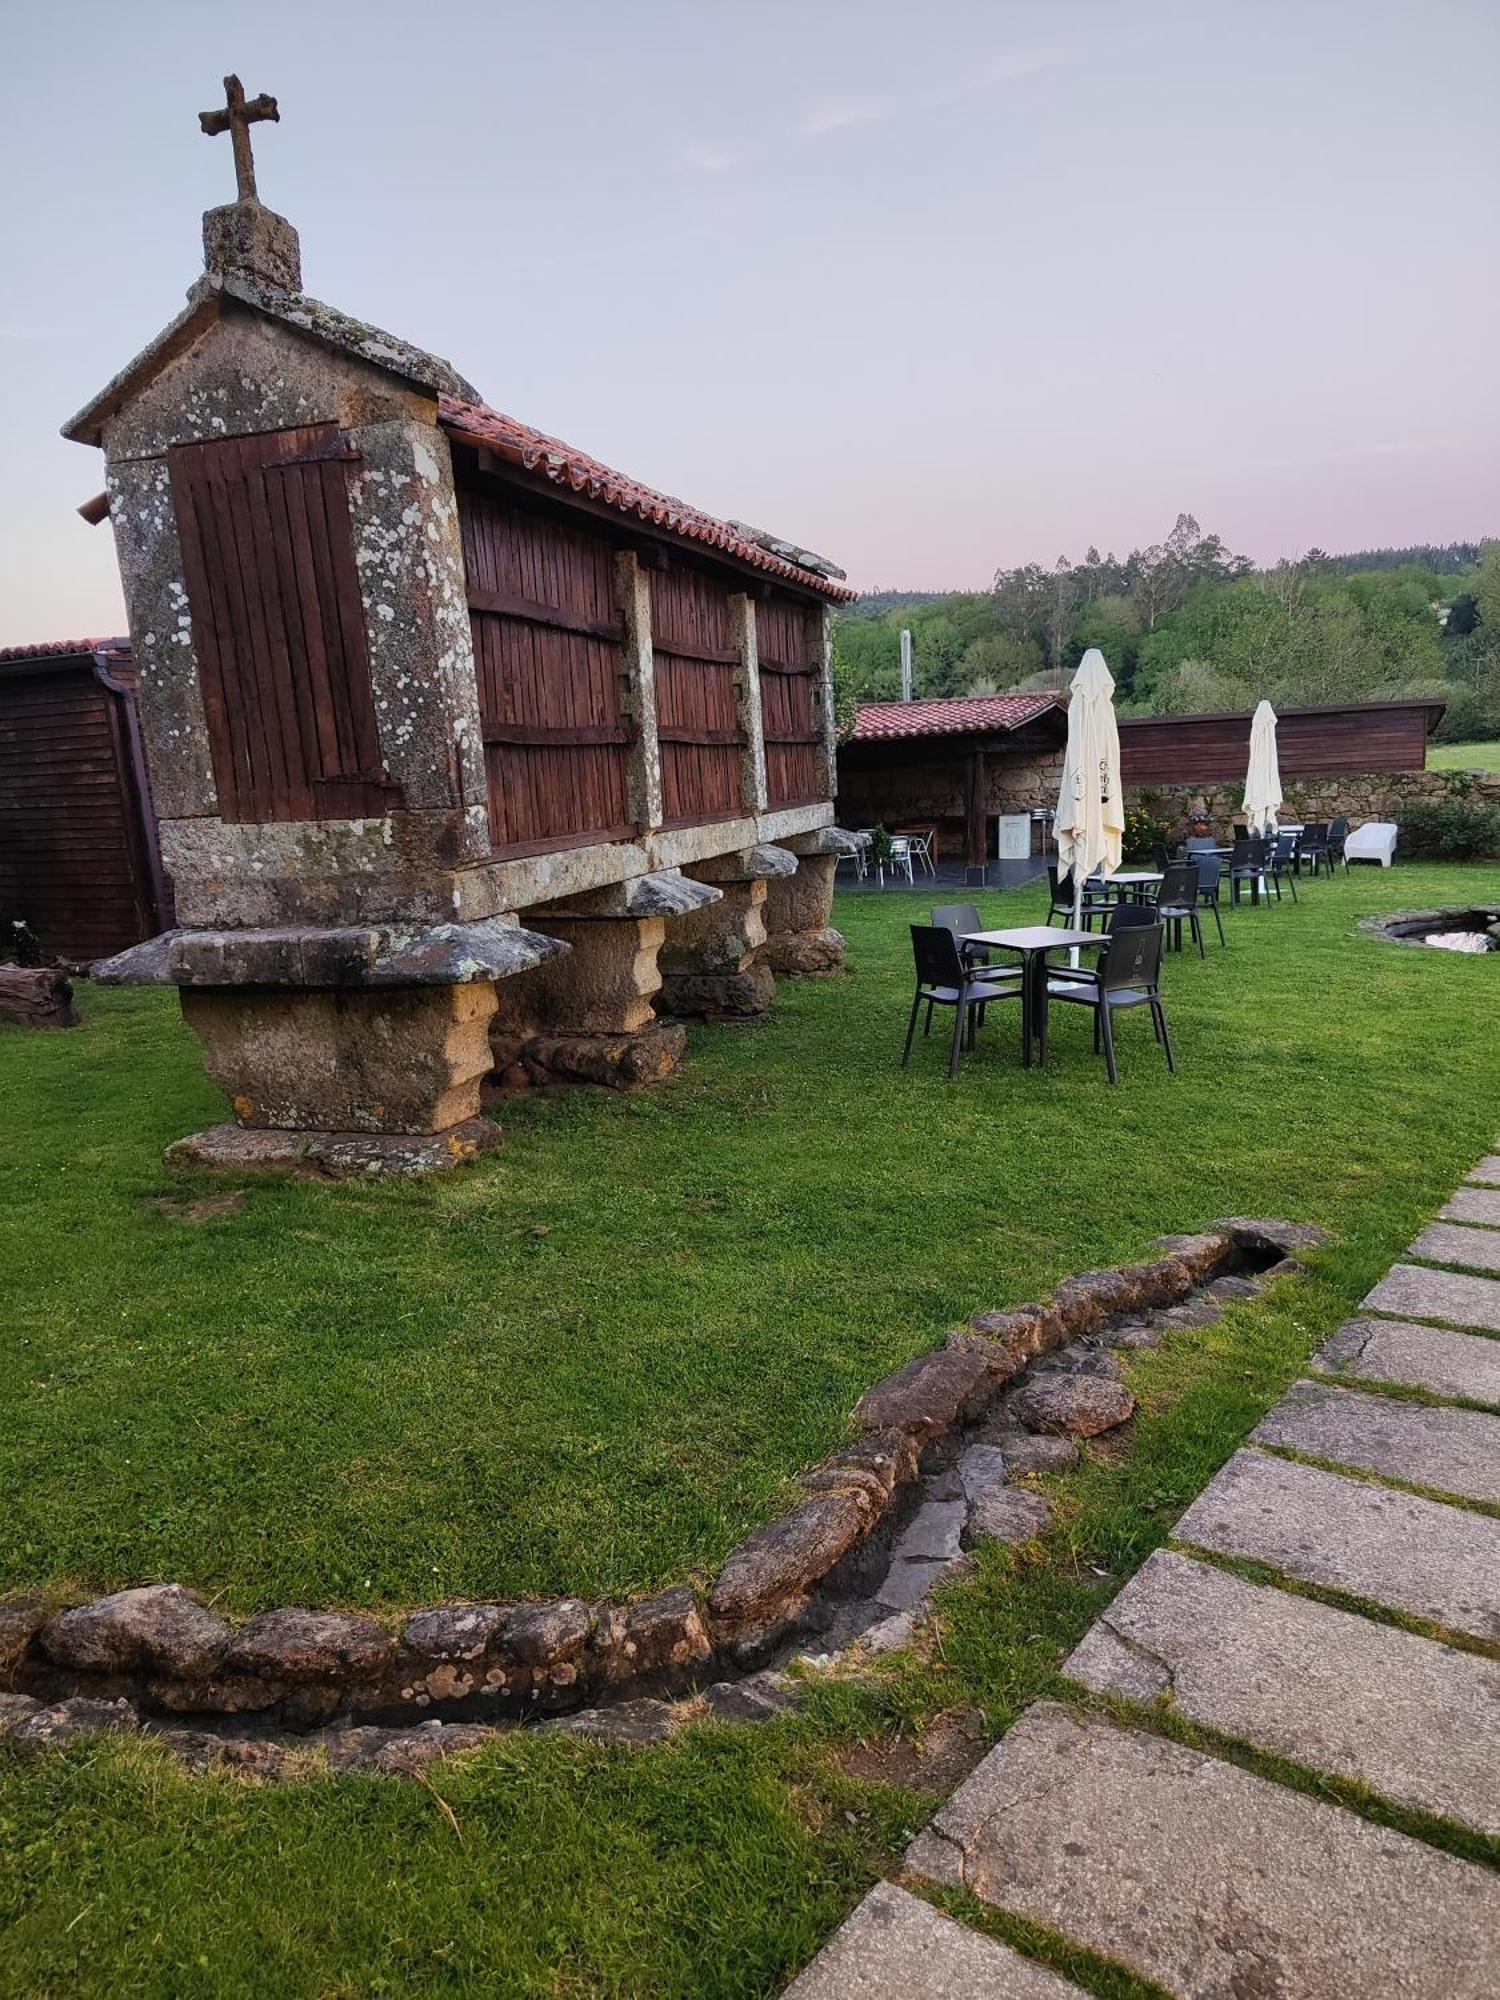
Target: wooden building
(956, 765)
(78, 855)
(450, 727)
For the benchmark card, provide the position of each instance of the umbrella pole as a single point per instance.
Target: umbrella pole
(1077, 914)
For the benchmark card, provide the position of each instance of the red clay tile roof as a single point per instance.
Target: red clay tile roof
(534, 451)
(63, 649)
(879, 721)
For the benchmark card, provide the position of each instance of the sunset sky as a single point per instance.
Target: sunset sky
(931, 289)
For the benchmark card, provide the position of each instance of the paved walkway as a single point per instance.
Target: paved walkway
(1191, 1871)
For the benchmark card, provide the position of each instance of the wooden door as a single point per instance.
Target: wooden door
(548, 652)
(789, 641)
(279, 625)
(697, 712)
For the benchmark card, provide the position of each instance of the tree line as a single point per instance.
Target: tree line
(1186, 625)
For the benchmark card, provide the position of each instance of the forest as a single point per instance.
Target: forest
(1187, 625)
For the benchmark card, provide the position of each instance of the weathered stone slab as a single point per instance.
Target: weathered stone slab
(1442, 1563)
(894, 1946)
(1423, 1357)
(1409, 1291)
(1418, 1721)
(1479, 1205)
(1487, 1173)
(1452, 1451)
(1206, 1879)
(1451, 1243)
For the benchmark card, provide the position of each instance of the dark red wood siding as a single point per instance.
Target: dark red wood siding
(548, 651)
(697, 714)
(278, 625)
(1207, 749)
(73, 845)
(789, 641)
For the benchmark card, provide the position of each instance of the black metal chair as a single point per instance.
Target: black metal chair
(945, 980)
(1177, 903)
(1247, 864)
(1338, 833)
(1210, 866)
(961, 919)
(1160, 858)
(1313, 847)
(1097, 900)
(1281, 864)
(1128, 916)
(1128, 975)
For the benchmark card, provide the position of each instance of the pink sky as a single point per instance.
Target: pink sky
(930, 289)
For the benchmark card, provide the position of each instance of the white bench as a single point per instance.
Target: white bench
(1373, 842)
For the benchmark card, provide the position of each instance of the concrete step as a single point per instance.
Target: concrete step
(896, 1947)
(1415, 1720)
(1410, 1291)
(1452, 1451)
(1476, 1205)
(1440, 1563)
(1208, 1880)
(1453, 1243)
(1424, 1357)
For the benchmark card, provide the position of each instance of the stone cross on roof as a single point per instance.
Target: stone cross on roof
(236, 118)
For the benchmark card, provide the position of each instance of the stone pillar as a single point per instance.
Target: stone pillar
(590, 1017)
(800, 941)
(711, 960)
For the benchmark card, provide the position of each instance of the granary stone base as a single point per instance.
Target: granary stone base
(336, 1155)
(401, 1060)
(800, 942)
(633, 1061)
(708, 963)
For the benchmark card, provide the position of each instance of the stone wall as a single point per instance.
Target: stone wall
(1376, 795)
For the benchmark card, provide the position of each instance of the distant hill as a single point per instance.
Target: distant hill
(876, 603)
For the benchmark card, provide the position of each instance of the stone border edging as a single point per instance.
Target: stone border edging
(1386, 927)
(156, 1648)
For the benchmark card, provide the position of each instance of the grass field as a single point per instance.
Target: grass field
(409, 1386)
(1464, 756)
(592, 1363)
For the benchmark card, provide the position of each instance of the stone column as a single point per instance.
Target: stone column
(800, 941)
(747, 703)
(589, 1017)
(711, 960)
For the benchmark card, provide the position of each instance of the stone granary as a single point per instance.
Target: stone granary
(453, 733)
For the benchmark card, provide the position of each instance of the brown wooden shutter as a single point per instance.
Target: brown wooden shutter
(789, 641)
(278, 625)
(697, 714)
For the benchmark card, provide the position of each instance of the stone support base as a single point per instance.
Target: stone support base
(709, 962)
(587, 1017)
(800, 942)
(335, 1155)
(402, 1060)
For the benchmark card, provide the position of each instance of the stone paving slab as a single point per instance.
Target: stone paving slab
(1411, 1291)
(1451, 1243)
(1487, 1173)
(1411, 1554)
(1211, 1881)
(1414, 1719)
(1478, 1205)
(1422, 1357)
(1452, 1451)
(896, 1947)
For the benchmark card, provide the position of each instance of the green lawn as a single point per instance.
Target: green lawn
(408, 1385)
(591, 1363)
(1464, 756)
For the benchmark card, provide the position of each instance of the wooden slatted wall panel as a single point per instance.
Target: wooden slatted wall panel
(789, 640)
(68, 846)
(548, 651)
(278, 625)
(697, 715)
(1208, 749)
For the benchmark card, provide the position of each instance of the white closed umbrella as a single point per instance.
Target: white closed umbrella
(1090, 827)
(1263, 779)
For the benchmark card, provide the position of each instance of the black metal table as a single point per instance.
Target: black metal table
(1031, 943)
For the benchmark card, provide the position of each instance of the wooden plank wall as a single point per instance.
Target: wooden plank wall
(789, 641)
(697, 716)
(548, 651)
(1212, 749)
(278, 623)
(72, 860)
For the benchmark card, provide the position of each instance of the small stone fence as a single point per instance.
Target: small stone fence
(856, 1549)
(1357, 797)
